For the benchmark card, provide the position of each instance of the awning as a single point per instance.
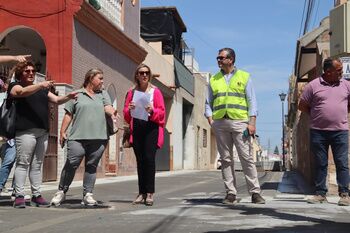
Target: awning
(307, 47)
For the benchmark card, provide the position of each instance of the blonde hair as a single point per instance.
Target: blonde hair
(142, 65)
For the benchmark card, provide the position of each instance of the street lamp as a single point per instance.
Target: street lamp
(283, 97)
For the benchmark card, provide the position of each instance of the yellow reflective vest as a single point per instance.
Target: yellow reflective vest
(230, 99)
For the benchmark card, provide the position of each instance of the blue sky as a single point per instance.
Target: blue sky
(262, 32)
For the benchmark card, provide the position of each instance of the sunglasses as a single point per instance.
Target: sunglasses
(219, 58)
(29, 71)
(142, 73)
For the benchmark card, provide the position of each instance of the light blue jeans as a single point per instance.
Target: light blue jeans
(31, 146)
(8, 157)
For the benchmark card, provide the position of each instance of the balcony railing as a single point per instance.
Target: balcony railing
(112, 10)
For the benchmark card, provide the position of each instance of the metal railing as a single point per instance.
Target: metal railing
(112, 10)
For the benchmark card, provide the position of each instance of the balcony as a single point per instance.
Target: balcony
(183, 77)
(111, 9)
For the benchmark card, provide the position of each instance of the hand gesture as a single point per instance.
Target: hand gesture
(251, 129)
(46, 84)
(22, 58)
(73, 95)
(149, 108)
(131, 105)
(63, 139)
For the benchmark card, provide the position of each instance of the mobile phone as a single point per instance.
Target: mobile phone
(63, 143)
(246, 133)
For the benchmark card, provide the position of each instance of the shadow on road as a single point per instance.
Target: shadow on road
(76, 204)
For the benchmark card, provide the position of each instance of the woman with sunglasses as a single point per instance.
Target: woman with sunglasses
(32, 129)
(146, 136)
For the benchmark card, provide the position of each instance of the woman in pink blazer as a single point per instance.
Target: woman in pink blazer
(146, 136)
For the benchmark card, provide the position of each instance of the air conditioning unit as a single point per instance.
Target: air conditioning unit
(340, 30)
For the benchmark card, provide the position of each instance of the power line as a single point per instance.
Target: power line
(302, 18)
(311, 5)
(316, 13)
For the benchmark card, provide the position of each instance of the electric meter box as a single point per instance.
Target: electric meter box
(340, 30)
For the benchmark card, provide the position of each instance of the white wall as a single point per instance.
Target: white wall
(176, 137)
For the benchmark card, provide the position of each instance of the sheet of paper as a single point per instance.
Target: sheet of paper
(141, 100)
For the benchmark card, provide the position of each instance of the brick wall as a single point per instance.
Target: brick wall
(90, 51)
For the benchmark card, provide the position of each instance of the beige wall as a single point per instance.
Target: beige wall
(201, 124)
(160, 64)
(131, 19)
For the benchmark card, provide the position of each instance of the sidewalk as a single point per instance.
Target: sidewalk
(293, 187)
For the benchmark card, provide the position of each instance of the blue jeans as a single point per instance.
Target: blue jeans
(320, 140)
(8, 155)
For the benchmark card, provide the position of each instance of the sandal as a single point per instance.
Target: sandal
(140, 199)
(149, 199)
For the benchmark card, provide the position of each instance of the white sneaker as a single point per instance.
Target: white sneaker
(89, 200)
(58, 198)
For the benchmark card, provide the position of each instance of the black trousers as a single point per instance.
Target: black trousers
(145, 138)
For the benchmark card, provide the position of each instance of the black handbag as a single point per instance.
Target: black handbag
(8, 118)
(126, 137)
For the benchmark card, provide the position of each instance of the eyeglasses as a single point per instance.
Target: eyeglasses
(219, 58)
(142, 73)
(29, 71)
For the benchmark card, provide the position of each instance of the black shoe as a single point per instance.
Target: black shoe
(230, 199)
(257, 199)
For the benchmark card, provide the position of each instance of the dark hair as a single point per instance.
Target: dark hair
(3, 78)
(20, 67)
(90, 75)
(142, 65)
(230, 53)
(328, 63)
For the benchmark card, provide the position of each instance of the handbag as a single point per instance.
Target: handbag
(126, 137)
(112, 127)
(8, 118)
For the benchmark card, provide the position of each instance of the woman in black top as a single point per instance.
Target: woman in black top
(32, 125)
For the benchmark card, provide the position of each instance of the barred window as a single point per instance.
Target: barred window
(205, 140)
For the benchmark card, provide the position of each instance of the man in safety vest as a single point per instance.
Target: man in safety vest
(231, 111)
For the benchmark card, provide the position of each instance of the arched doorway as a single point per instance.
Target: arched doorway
(24, 40)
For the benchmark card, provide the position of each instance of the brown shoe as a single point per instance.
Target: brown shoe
(230, 199)
(149, 199)
(317, 199)
(257, 199)
(140, 199)
(344, 199)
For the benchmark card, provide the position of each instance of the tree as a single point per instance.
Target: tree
(276, 152)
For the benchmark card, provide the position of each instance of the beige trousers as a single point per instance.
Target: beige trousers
(228, 133)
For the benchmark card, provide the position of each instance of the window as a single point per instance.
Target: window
(205, 136)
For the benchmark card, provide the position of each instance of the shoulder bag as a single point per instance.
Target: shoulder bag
(8, 118)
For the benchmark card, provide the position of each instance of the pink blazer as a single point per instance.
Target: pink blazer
(158, 115)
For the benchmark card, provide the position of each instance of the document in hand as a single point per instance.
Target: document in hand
(141, 100)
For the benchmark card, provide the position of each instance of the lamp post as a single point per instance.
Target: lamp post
(283, 97)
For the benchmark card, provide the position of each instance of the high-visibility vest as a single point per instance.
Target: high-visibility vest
(230, 99)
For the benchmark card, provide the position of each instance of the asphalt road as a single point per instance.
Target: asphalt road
(189, 202)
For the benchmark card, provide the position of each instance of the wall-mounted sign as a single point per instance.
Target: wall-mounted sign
(346, 67)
